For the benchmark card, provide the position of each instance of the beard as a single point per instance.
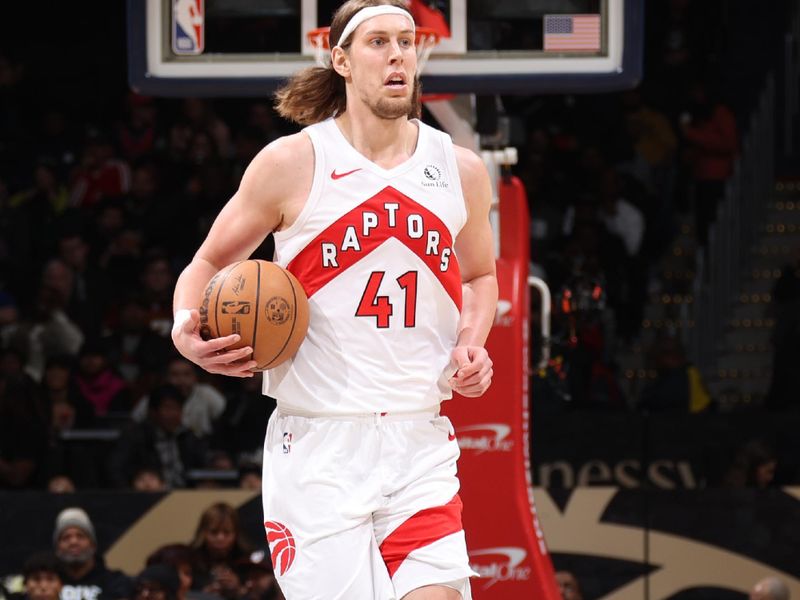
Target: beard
(75, 559)
(393, 108)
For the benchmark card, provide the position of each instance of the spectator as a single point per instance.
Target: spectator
(148, 479)
(711, 143)
(61, 484)
(22, 433)
(199, 114)
(258, 578)
(156, 582)
(67, 461)
(179, 557)
(100, 175)
(86, 575)
(754, 466)
(204, 404)
(98, 384)
(241, 428)
(219, 545)
(47, 331)
(160, 442)
(770, 588)
(157, 280)
(678, 387)
(87, 297)
(654, 141)
(135, 351)
(44, 577)
(785, 294)
(137, 136)
(568, 586)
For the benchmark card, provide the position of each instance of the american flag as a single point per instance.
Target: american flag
(570, 33)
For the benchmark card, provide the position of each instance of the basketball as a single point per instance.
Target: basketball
(263, 303)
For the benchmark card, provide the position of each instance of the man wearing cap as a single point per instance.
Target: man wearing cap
(86, 575)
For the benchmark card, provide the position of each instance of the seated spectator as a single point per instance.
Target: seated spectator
(136, 351)
(711, 144)
(785, 295)
(23, 433)
(770, 588)
(88, 295)
(568, 586)
(219, 545)
(250, 477)
(204, 404)
(68, 408)
(148, 479)
(64, 459)
(86, 575)
(753, 466)
(678, 387)
(61, 484)
(241, 428)
(179, 557)
(98, 384)
(158, 281)
(258, 578)
(47, 330)
(161, 440)
(43, 574)
(156, 582)
(100, 175)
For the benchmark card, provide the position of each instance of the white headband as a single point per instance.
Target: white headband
(369, 12)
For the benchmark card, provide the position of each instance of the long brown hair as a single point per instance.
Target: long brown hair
(315, 93)
(214, 516)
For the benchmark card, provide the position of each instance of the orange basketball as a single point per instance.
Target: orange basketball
(263, 303)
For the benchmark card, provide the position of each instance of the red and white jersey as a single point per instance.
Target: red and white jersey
(373, 249)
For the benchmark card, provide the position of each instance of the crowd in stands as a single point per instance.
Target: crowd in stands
(100, 210)
(219, 563)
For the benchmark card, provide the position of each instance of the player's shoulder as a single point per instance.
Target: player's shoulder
(285, 151)
(279, 167)
(471, 168)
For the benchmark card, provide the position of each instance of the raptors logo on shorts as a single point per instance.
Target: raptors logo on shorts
(281, 546)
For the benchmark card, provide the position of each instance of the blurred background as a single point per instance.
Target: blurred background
(664, 218)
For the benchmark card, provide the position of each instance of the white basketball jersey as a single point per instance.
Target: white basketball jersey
(373, 249)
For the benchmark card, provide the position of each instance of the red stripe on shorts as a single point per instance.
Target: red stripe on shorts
(421, 529)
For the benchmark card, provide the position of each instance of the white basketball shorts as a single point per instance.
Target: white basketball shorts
(364, 507)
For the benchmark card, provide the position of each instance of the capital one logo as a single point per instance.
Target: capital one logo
(486, 437)
(502, 318)
(503, 563)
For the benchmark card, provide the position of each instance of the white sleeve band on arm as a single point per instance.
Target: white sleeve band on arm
(181, 316)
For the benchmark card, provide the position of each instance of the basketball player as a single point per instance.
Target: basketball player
(385, 223)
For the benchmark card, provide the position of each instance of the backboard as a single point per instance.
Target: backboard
(247, 47)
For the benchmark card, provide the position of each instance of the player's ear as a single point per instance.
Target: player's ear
(340, 61)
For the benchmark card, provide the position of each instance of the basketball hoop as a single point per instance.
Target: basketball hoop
(427, 39)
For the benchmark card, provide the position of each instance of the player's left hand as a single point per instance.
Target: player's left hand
(474, 374)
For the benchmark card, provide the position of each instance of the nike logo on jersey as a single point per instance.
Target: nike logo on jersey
(335, 175)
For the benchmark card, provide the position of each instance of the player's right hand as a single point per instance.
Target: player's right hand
(212, 355)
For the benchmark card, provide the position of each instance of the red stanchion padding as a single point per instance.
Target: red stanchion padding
(505, 542)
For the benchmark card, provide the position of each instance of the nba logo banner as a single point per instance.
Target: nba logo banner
(188, 27)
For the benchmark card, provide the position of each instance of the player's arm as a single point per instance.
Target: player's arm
(475, 251)
(252, 213)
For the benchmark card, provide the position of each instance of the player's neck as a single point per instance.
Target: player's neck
(387, 143)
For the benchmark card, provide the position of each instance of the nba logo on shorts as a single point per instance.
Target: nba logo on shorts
(188, 26)
(287, 442)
